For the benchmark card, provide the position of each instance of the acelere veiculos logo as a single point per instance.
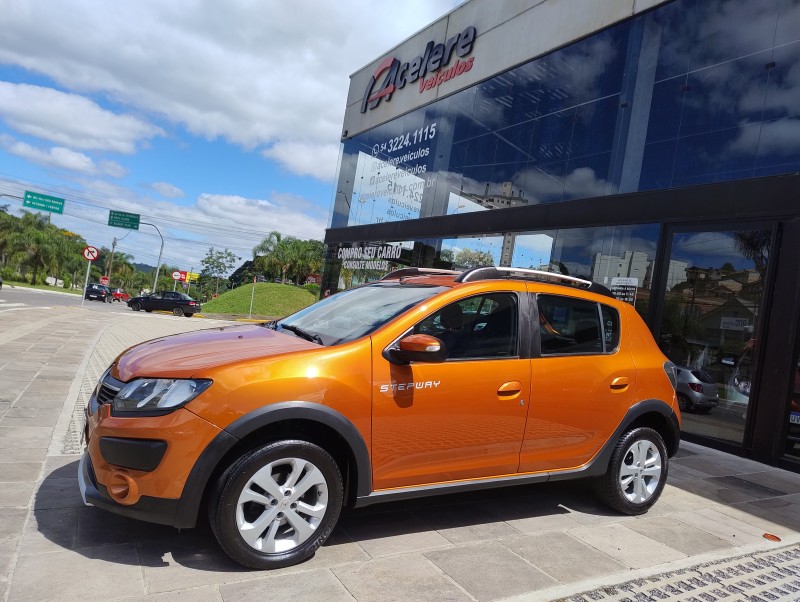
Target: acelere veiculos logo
(393, 75)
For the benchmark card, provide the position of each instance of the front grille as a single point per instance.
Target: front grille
(109, 387)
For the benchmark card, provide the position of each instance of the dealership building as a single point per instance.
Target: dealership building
(650, 146)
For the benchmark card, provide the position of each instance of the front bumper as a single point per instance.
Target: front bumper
(153, 510)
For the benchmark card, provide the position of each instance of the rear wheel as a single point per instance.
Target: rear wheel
(277, 504)
(683, 403)
(178, 311)
(136, 306)
(636, 472)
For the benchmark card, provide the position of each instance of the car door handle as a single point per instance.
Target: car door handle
(620, 383)
(510, 389)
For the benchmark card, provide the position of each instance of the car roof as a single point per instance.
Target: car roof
(437, 277)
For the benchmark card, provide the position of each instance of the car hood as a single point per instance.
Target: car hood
(184, 355)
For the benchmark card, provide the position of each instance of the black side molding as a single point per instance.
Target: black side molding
(136, 454)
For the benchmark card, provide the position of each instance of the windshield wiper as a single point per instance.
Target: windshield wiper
(314, 338)
(272, 325)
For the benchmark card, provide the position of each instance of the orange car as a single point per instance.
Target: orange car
(423, 383)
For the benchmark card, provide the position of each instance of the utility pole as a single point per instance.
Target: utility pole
(111, 260)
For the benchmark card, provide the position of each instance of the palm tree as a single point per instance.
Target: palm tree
(35, 245)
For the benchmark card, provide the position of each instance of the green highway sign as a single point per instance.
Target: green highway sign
(43, 202)
(121, 219)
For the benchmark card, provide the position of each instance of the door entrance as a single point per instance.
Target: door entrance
(713, 284)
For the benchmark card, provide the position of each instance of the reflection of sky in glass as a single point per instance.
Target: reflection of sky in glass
(709, 250)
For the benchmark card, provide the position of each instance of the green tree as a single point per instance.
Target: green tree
(217, 263)
(34, 246)
(468, 258)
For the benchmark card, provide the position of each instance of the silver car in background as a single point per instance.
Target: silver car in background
(696, 390)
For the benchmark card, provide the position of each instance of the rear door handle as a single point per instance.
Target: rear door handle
(510, 389)
(620, 383)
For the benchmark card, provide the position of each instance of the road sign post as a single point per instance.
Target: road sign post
(122, 219)
(43, 202)
(90, 253)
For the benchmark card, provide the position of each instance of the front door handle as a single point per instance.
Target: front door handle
(510, 390)
(620, 383)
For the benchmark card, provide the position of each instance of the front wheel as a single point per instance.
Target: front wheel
(277, 504)
(636, 472)
(136, 306)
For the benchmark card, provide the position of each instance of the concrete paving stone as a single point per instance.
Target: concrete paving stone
(626, 545)
(197, 594)
(747, 486)
(16, 494)
(12, 522)
(89, 574)
(11, 421)
(184, 560)
(97, 527)
(8, 557)
(19, 471)
(490, 571)
(710, 468)
(763, 518)
(391, 533)
(20, 370)
(564, 557)
(464, 523)
(715, 491)
(46, 415)
(58, 493)
(339, 550)
(783, 481)
(784, 510)
(38, 443)
(734, 530)
(531, 513)
(394, 580)
(677, 535)
(311, 586)
(16, 454)
(61, 467)
(679, 473)
(26, 432)
(52, 530)
(39, 401)
(679, 499)
(4, 405)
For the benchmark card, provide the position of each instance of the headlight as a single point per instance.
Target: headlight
(154, 394)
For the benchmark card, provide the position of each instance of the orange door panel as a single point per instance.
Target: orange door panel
(443, 422)
(576, 403)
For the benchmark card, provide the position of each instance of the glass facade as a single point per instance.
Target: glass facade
(694, 91)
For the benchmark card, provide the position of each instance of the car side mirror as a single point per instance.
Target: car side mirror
(416, 348)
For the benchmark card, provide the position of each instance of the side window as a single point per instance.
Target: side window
(172, 296)
(484, 326)
(569, 326)
(610, 328)
(156, 296)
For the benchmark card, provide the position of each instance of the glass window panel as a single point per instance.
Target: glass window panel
(674, 22)
(657, 165)
(569, 326)
(542, 183)
(593, 131)
(788, 29)
(716, 156)
(587, 177)
(783, 89)
(665, 109)
(793, 419)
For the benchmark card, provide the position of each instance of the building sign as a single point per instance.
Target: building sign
(394, 75)
(369, 257)
(733, 323)
(624, 289)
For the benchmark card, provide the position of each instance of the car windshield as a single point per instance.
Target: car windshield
(355, 313)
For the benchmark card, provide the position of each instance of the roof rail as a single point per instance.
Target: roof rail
(492, 273)
(405, 272)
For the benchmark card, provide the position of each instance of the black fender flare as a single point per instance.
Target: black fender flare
(189, 504)
(598, 465)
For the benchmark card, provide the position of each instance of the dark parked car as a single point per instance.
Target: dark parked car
(98, 292)
(179, 304)
(696, 390)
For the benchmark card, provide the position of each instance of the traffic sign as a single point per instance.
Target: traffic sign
(90, 253)
(180, 276)
(122, 219)
(43, 202)
(104, 280)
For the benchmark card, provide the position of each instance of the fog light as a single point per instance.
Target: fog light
(122, 488)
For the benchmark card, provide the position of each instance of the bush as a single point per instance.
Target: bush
(67, 281)
(312, 288)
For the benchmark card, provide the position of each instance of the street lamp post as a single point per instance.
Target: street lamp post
(160, 252)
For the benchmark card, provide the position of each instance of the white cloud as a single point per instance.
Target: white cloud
(251, 73)
(167, 190)
(61, 158)
(779, 137)
(304, 159)
(70, 120)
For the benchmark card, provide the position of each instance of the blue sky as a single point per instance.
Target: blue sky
(217, 121)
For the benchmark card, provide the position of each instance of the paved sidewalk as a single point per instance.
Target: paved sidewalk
(542, 542)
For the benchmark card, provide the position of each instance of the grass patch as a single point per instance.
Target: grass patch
(270, 300)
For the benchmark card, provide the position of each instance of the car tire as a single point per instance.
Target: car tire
(177, 311)
(253, 509)
(684, 404)
(149, 311)
(636, 472)
(135, 306)
(188, 315)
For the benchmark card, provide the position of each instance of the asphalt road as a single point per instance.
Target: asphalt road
(14, 298)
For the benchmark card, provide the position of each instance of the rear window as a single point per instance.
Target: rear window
(703, 376)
